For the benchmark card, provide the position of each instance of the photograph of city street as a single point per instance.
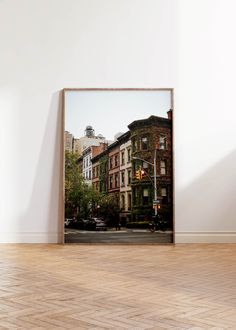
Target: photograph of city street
(118, 166)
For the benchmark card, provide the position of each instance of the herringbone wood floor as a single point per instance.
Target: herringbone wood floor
(118, 287)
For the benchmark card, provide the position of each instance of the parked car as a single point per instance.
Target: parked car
(68, 222)
(100, 224)
(79, 224)
(89, 224)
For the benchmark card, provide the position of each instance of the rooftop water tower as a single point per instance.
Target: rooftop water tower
(89, 131)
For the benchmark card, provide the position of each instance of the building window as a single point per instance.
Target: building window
(116, 181)
(129, 176)
(110, 181)
(122, 204)
(145, 196)
(144, 143)
(129, 155)
(122, 158)
(134, 145)
(122, 178)
(163, 167)
(90, 175)
(116, 160)
(162, 142)
(129, 201)
(164, 195)
(136, 166)
(145, 167)
(135, 196)
(110, 162)
(94, 173)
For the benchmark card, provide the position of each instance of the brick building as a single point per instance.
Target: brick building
(100, 172)
(125, 177)
(148, 136)
(114, 170)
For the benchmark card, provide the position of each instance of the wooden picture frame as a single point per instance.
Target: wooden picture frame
(64, 92)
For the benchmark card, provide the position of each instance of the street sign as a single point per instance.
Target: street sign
(156, 202)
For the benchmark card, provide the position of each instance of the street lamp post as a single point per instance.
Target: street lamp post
(155, 179)
(155, 176)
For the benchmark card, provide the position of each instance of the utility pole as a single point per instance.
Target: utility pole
(154, 164)
(155, 178)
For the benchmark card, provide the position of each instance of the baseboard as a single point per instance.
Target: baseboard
(180, 237)
(205, 237)
(30, 237)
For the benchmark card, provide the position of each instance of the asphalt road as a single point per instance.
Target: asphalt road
(120, 236)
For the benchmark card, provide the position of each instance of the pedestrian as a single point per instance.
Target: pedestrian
(118, 224)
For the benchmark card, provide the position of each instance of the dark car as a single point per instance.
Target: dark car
(89, 224)
(100, 224)
(78, 224)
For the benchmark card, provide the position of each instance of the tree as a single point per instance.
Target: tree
(80, 199)
(109, 208)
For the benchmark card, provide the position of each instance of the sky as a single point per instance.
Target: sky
(110, 112)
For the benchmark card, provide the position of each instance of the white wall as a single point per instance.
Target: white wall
(206, 121)
(48, 45)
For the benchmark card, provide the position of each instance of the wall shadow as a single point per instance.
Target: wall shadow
(208, 203)
(47, 191)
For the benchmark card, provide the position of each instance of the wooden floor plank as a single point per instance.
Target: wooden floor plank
(190, 286)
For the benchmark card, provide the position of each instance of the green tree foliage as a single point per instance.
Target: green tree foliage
(80, 199)
(109, 208)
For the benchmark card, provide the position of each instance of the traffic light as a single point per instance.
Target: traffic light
(139, 174)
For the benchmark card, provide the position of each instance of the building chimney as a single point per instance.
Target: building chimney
(169, 113)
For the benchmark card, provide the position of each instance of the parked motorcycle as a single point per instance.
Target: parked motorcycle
(157, 223)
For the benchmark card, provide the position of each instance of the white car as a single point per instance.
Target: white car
(68, 221)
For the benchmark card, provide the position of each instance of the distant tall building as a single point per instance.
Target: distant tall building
(68, 141)
(87, 155)
(76, 146)
(88, 140)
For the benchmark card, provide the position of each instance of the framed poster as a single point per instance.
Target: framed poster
(118, 166)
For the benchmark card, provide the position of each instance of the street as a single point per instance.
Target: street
(127, 236)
